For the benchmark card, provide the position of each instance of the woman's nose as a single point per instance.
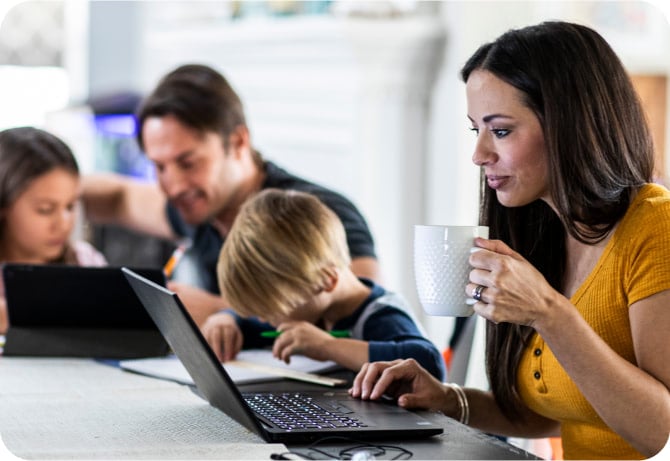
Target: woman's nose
(484, 152)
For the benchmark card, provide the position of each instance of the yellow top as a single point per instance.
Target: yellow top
(633, 266)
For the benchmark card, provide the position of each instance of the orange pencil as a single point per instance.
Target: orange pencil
(175, 257)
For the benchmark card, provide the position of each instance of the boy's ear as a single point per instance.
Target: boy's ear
(331, 278)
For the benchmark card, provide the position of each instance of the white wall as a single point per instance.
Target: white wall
(452, 194)
(313, 107)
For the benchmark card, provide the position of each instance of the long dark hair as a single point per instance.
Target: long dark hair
(27, 153)
(599, 152)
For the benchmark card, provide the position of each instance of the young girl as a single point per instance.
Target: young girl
(39, 188)
(286, 261)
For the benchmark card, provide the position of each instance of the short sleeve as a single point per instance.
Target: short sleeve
(648, 269)
(86, 255)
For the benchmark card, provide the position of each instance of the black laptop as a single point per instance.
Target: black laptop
(72, 311)
(310, 414)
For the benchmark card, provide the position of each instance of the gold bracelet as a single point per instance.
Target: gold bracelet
(463, 404)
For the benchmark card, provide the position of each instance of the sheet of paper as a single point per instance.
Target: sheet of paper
(172, 369)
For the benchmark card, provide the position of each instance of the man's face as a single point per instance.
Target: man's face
(198, 176)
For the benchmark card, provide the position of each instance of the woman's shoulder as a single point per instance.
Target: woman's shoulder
(648, 216)
(86, 255)
(654, 191)
(651, 203)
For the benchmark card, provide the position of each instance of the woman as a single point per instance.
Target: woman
(39, 189)
(576, 284)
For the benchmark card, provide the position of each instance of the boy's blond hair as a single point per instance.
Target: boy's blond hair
(279, 252)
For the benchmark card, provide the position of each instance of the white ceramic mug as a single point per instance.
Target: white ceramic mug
(441, 268)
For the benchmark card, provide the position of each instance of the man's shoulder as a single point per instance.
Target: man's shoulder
(359, 237)
(277, 177)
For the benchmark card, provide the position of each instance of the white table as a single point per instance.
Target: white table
(81, 409)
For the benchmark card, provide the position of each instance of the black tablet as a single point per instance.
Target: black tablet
(74, 311)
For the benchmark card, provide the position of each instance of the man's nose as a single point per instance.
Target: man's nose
(172, 181)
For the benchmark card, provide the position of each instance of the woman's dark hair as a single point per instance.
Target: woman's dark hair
(599, 151)
(27, 153)
(199, 97)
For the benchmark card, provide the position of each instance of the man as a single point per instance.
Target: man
(193, 128)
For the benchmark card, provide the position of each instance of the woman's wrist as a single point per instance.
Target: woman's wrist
(555, 318)
(460, 407)
(462, 413)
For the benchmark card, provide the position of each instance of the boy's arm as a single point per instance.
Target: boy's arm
(300, 337)
(392, 335)
(227, 333)
(421, 350)
(251, 328)
(347, 352)
(199, 303)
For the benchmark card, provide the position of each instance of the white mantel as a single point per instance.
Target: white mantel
(342, 101)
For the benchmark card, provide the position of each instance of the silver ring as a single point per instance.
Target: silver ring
(477, 292)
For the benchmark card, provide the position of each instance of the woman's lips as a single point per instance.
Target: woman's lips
(496, 182)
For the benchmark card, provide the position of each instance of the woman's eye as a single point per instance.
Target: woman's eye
(500, 133)
(475, 131)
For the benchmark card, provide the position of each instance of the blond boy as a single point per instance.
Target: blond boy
(286, 262)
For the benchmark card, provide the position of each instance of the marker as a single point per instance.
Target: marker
(335, 333)
(175, 257)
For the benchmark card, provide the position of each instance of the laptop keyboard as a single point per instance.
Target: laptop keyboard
(298, 411)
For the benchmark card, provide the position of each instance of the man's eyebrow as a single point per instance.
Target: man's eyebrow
(184, 155)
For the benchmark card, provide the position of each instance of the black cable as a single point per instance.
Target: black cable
(345, 453)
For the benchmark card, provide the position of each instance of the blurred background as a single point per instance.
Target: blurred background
(361, 96)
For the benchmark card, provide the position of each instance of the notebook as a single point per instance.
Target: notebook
(340, 414)
(250, 366)
(72, 311)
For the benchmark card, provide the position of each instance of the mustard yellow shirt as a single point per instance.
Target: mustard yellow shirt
(634, 265)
